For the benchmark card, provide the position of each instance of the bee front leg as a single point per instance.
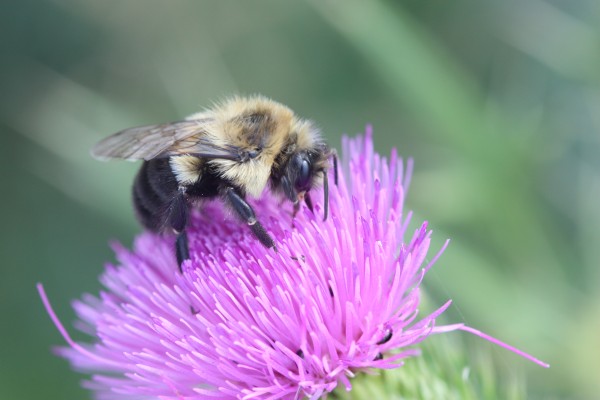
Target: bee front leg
(246, 213)
(178, 218)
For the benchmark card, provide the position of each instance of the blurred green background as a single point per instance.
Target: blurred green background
(497, 101)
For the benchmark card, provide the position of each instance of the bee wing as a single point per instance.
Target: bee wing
(164, 140)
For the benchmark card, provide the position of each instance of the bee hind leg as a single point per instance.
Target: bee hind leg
(246, 213)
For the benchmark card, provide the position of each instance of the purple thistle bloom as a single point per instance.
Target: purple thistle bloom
(243, 322)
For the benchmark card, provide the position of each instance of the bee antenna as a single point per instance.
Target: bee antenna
(335, 167)
(325, 195)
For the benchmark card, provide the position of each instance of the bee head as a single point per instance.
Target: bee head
(304, 170)
(301, 171)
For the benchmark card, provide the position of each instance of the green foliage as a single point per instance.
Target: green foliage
(497, 101)
(445, 370)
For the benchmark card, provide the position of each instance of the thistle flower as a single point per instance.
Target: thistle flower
(242, 322)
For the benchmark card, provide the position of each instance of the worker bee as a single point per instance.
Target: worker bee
(227, 152)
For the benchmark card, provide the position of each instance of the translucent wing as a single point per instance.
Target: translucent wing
(164, 140)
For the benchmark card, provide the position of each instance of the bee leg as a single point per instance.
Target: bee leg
(291, 194)
(181, 249)
(296, 208)
(308, 202)
(246, 213)
(178, 217)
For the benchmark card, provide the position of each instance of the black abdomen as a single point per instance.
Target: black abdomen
(154, 189)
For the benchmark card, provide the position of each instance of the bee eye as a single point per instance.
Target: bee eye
(303, 178)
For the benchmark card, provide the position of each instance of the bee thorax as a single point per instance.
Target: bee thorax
(186, 169)
(252, 176)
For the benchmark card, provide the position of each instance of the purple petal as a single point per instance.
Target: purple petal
(243, 322)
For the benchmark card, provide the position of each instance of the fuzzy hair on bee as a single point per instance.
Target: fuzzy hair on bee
(230, 151)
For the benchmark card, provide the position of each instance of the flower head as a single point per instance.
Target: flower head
(339, 297)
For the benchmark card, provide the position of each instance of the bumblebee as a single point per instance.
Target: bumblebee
(229, 152)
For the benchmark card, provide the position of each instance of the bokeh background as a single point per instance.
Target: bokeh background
(497, 102)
